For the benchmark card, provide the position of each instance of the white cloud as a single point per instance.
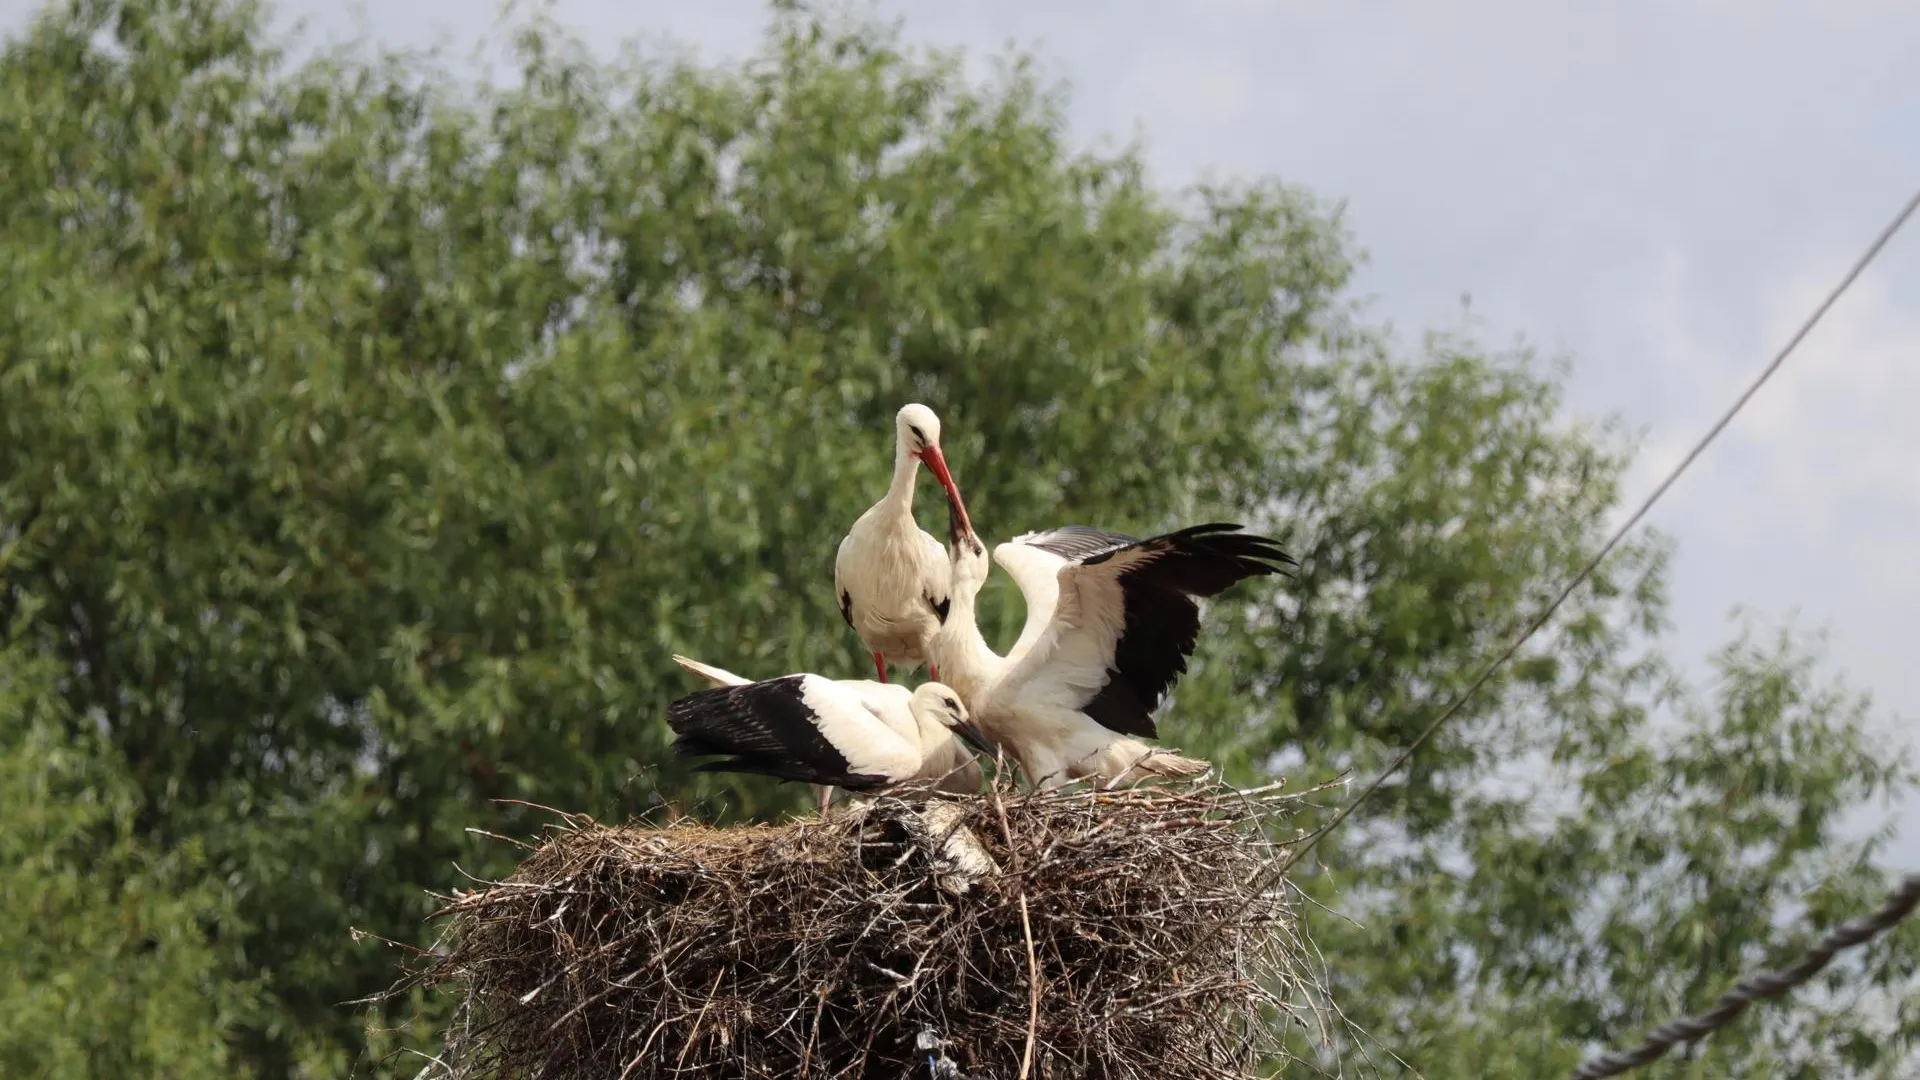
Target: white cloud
(1839, 421)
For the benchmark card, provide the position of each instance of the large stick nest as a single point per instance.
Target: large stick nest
(1065, 933)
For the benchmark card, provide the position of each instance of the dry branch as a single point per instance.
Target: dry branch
(887, 941)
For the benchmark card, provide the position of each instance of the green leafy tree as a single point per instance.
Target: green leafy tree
(1626, 883)
(370, 439)
(117, 955)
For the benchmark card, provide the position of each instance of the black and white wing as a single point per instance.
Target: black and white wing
(1034, 562)
(1124, 620)
(798, 727)
(1076, 543)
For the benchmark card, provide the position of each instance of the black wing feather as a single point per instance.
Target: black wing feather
(764, 728)
(1163, 621)
(846, 606)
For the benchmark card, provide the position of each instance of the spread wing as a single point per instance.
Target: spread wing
(1034, 562)
(797, 727)
(1077, 542)
(1125, 621)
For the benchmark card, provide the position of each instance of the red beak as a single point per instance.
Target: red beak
(937, 463)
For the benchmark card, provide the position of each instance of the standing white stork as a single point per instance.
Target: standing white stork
(848, 733)
(1111, 621)
(890, 575)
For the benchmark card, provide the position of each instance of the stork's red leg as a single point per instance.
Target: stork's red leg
(826, 796)
(880, 663)
(933, 671)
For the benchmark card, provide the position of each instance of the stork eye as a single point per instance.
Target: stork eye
(954, 705)
(918, 435)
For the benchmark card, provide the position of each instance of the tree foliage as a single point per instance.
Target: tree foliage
(370, 439)
(114, 950)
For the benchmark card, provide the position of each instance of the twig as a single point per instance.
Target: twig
(521, 844)
(1026, 930)
(695, 1029)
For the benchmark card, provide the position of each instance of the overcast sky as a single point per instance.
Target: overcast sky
(1660, 190)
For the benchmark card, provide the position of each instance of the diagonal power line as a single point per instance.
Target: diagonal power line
(1296, 853)
(1767, 984)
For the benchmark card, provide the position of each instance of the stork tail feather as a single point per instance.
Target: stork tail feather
(714, 675)
(1169, 764)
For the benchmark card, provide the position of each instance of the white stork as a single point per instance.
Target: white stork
(854, 734)
(946, 760)
(1111, 621)
(890, 575)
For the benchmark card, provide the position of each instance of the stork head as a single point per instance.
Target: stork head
(939, 703)
(917, 434)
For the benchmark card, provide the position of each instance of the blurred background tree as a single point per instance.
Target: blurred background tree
(370, 439)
